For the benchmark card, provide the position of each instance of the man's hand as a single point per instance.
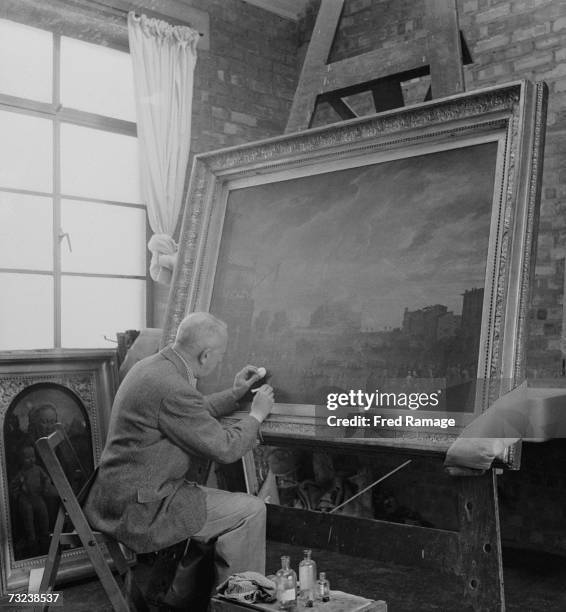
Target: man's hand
(245, 379)
(263, 403)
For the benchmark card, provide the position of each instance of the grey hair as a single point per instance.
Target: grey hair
(199, 331)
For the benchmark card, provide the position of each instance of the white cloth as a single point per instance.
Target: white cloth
(163, 257)
(249, 587)
(164, 58)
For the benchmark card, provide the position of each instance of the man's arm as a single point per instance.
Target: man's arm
(226, 402)
(222, 403)
(187, 420)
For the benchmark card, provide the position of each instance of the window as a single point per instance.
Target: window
(72, 225)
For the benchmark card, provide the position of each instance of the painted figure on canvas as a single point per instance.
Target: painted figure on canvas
(33, 499)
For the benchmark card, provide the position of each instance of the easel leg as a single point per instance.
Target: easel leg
(480, 543)
(250, 474)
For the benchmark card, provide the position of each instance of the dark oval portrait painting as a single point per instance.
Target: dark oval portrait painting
(33, 499)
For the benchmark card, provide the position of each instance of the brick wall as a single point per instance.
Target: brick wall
(508, 40)
(243, 85)
(526, 39)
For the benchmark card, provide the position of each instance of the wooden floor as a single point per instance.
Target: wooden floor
(533, 583)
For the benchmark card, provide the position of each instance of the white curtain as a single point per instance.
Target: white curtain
(164, 58)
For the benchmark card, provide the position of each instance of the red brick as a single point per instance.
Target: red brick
(501, 40)
(500, 11)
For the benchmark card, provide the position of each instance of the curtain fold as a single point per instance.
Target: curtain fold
(164, 58)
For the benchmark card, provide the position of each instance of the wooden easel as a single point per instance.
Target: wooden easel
(441, 54)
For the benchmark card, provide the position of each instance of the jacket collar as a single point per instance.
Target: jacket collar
(174, 358)
(170, 354)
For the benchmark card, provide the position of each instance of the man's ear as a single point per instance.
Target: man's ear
(203, 356)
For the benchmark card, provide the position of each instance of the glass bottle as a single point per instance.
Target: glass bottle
(286, 580)
(307, 576)
(322, 588)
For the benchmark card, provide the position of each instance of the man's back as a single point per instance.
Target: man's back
(140, 467)
(158, 420)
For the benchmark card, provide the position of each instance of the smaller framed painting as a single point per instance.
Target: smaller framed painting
(37, 390)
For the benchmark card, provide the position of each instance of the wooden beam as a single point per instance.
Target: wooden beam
(368, 86)
(369, 67)
(393, 542)
(344, 110)
(103, 21)
(88, 24)
(376, 64)
(480, 543)
(444, 48)
(308, 89)
(353, 72)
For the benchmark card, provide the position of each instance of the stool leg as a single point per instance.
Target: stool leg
(131, 589)
(52, 560)
(105, 576)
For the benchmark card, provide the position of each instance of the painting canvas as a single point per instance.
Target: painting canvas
(33, 500)
(347, 280)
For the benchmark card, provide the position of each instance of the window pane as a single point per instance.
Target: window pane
(26, 61)
(97, 79)
(26, 226)
(26, 311)
(96, 307)
(105, 238)
(26, 152)
(98, 164)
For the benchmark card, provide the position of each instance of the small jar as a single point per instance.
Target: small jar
(322, 588)
(307, 576)
(286, 581)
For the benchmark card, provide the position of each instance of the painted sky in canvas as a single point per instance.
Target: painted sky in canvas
(407, 233)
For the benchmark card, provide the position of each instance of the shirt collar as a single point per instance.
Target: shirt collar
(180, 363)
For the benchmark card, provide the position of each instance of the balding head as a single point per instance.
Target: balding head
(199, 334)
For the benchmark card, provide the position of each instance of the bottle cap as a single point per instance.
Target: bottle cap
(322, 575)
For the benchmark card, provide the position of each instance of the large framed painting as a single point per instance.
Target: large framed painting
(378, 268)
(37, 390)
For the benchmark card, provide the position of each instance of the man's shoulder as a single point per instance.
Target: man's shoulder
(153, 372)
(147, 366)
(159, 371)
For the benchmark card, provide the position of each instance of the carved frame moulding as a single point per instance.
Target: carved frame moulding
(78, 387)
(395, 246)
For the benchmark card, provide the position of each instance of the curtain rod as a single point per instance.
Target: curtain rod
(123, 12)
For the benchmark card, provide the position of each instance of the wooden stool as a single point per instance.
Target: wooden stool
(339, 602)
(125, 599)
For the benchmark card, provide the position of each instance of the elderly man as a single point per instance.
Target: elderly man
(159, 420)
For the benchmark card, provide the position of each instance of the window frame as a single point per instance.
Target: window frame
(59, 115)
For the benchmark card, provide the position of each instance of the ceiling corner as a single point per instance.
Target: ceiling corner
(288, 9)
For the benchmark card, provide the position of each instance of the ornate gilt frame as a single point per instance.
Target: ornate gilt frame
(91, 375)
(512, 114)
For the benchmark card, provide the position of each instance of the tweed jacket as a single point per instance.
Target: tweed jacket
(158, 420)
